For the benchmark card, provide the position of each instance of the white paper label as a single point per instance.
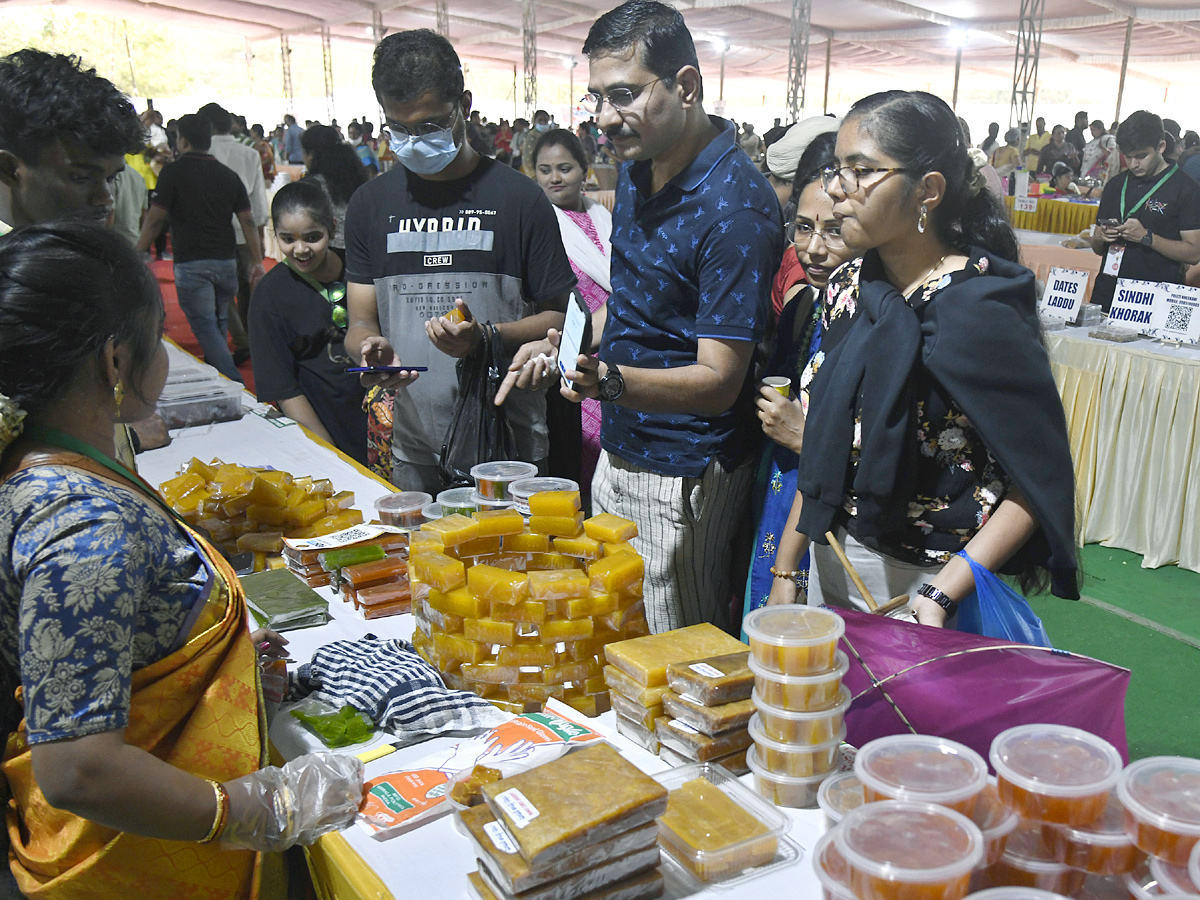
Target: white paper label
(517, 807)
(684, 726)
(1025, 204)
(347, 536)
(501, 839)
(706, 671)
(1022, 187)
(1138, 305)
(1179, 317)
(1112, 260)
(1064, 294)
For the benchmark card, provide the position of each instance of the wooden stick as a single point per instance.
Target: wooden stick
(850, 570)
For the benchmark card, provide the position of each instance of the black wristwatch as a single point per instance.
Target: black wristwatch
(928, 590)
(1147, 239)
(612, 385)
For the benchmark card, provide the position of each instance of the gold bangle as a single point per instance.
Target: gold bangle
(782, 573)
(218, 825)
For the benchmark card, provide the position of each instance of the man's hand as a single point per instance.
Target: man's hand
(782, 419)
(377, 351)
(256, 274)
(1131, 230)
(533, 366)
(585, 378)
(455, 338)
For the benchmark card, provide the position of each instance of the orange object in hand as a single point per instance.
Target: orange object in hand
(455, 315)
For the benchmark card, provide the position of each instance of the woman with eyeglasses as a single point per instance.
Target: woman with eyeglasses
(817, 243)
(298, 325)
(934, 425)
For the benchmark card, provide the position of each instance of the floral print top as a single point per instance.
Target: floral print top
(93, 586)
(959, 482)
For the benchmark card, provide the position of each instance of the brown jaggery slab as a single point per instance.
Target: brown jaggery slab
(514, 875)
(646, 886)
(621, 683)
(734, 763)
(642, 715)
(713, 681)
(645, 659)
(701, 820)
(638, 734)
(709, 720)
(691, 743)
(582, 882)
(583, 797)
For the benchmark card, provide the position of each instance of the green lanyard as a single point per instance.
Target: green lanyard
(1150, 193)
(333, 295)
(67, 442)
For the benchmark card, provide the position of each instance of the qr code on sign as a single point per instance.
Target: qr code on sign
(1178, 318)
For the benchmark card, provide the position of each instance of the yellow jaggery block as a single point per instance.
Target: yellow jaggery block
(307, 513)
(277, 476)
(617, 572)
(218, 529)
(566, 630)
(559, 584)
(645, 659)
(243, 526)
(620, 619)
(266, 493)
(234, 506)
(191, 502)
(303, 483)
(526, 542)
(328, 524)
(595, 605)
(491, 673)
(621, 683)
(555, 503)
(207, 471)
(173, 489)
(269, 515)
(457, 602)
(260, 561)
(479, 546)
(591, 705)
(454, 529)
(702, 820)
(553, 561)
(452, 650)
(571, 671)
(535, 693)
(496, 585)
(499, 522)
(595, 685)
(527, 612)
(322, 486)
(593, 646)
(526, 655)
(489, 631)
(610, 529)
(276, 562)
(437, 620)
(342, 500)
(582, 547)
(261, 542)
(421, 541)
(557, 526)
(514, 562)
(624, 547)
(516, 707)
(629, 595)
(439, 571)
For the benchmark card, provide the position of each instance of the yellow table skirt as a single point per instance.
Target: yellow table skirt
(1055, 216)
(1132, 418)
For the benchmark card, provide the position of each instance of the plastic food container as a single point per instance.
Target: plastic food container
(1173, 879)
(1194, 866)
(783, 790)
(1028, 862)
(457, 500)
(897, 850)
(1009, 892)
(832, 870)
(793, 639)
(715, 865)
(523, 488)
(184, 407)
(995, 820)
(802, 727)
(431, 511)
(483, 503)
(1141, 884)
(1161, 796)
(1102, 848)
(839, 793)
(921, 768)
(402, 509)
(1054, 773)
(493, 478)
(800, 693)
(1104, 887)
(797, 760)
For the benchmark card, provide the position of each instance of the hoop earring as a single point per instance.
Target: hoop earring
(119, 394)
(922, 219)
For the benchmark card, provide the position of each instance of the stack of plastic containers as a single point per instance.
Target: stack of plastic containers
(492, 481)
(1160, 797)
(799, 698)
(522, 489)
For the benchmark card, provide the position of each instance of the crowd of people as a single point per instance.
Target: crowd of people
(865, 264)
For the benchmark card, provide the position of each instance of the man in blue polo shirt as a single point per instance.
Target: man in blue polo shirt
(696, 242)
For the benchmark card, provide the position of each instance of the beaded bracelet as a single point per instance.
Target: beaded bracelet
(222, 815)
(791, 575)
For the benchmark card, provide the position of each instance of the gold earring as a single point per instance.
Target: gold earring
(119, 394)
(922, 219)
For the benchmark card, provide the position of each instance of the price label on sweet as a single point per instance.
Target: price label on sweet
(1063, 295)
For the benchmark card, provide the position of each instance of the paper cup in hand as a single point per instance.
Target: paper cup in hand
(783, 385)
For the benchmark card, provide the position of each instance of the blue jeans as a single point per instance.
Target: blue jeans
(206, 287)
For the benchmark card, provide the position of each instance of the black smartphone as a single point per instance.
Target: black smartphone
(384, 370)
(242, 563)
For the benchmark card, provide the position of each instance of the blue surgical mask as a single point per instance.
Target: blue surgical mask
(427, 154)
(541, 127)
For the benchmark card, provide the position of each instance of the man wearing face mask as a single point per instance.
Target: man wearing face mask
(446, 229)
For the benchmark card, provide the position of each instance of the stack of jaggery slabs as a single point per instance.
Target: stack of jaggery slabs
(706, 712)
(581, 826)
(636, 676)
(521, 613)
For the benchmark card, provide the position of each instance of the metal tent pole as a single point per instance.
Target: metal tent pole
(285, 54)
(443, 19)
(957, 71)
(828, 56)
(327, 59)
(529, 46)
(1124, 67)
(798, 56)
(1025, 65)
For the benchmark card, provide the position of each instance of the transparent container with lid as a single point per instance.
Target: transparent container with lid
(1161, 796)
(831, 869)
(995, 820)
(839, 793)
(1173, 879)
(1028, 862)
(431, 511)
(523, 488)
(1102, 848)
(1194, 866)
(493, 478)
(800, 693)
(1141, 884)
(402, 509)
(483, 503)
(793, 639)
(1055, 773)
(796, 760)
(1010, 892)
(898, 850)
(783, 790)
(922, 768)
(457, 501)
(1104, 887)
(808, 727)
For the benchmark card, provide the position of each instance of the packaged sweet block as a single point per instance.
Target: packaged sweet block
(645, 659)
(713, 681)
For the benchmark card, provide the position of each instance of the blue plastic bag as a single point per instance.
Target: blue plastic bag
(995, 610)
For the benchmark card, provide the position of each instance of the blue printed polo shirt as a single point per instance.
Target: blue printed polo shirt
(695, 260)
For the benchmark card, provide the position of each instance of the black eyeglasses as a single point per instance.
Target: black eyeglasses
(425, 129)
(617, 98)
(850, 176)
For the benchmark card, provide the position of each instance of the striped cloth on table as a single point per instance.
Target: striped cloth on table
(388, 681)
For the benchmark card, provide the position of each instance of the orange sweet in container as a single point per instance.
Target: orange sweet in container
(783, 790)
(995, 820)
(898, 850)
(402, 509)
(1173, 879)
(1161, 796)
(1194, 866)
(1102, 848)
(794, 639)
(802, 727)
(1027, 862)
(922, 768)
(1054, 773)
(796, 760)
(832, 870)
(839, 793)
(800, 693)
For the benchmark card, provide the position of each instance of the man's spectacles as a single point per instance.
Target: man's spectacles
(850, 176)
(423, 130)
(801, 234)
(617, 98)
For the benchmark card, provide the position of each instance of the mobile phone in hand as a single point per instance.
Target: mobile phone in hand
(385, 370)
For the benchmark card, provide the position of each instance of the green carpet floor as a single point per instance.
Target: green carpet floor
(1147, 620)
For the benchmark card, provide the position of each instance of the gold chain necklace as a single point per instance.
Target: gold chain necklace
(937, 265)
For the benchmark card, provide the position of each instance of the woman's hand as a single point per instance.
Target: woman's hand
(927, 612)
(784, 590)
(782, 419)
(533, 366)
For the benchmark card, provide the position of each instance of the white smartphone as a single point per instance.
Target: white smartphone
(576, 336)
